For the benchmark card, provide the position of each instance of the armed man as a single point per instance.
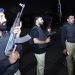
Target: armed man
(9, 64)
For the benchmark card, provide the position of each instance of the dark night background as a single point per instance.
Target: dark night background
(37, 7)
(49, 10)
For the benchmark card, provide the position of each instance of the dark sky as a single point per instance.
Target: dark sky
(38, 6)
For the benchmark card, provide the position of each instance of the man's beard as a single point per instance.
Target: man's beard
(42, 26)
(3, 27)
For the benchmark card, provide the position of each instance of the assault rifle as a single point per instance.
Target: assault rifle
(49, 26)
(11, 40)
(17, 19)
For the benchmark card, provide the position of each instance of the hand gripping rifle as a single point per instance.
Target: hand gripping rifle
(11, 41)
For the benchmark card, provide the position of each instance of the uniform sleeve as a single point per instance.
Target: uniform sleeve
(4, 64)
(34, 33)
